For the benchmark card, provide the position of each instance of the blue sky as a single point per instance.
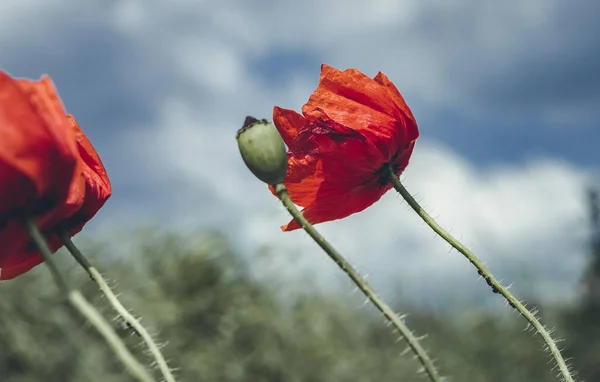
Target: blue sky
(506, 95)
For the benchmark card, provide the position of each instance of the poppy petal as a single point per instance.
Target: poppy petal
(35, 159)
(347, 155)
(409, 122)
(360, 103)
(46, 103)
(288, 123)
(335, 201)
(395, 95)
(27, 259)
(303, 178)
(326, 70)
(401, 162)
(301, 186)
(97, 184)
(38, 160)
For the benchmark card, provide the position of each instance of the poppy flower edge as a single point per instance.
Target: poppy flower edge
(87, 188)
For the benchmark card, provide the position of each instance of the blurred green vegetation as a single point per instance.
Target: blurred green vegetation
(222, 325)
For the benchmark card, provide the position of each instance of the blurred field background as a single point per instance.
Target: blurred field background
(222, 324)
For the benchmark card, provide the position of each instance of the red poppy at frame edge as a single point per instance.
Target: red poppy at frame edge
(350, 129)
(48, 169)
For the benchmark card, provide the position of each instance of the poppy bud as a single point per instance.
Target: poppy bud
(262, 149)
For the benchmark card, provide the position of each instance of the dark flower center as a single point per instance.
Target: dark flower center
(382, 174)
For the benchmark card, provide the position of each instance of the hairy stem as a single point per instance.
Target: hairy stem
(486, 274)
(86, 309)
(117, 306)
(360, 282)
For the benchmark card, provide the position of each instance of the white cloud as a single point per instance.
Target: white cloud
(129, 15)
(213, 65)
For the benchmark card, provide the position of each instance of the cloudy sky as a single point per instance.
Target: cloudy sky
(506, 96)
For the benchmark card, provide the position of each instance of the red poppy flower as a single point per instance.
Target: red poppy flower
(38, 159)
(350, 130)
(89, 191)
(48, 169)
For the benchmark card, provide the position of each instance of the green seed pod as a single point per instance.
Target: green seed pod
(263, 150)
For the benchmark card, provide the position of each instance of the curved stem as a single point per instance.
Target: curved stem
(486, 274)
(79, 302)
(117, 306)
(360, 282)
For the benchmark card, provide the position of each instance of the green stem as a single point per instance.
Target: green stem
(389, 314)
(117, 306)
(79, 302)
(485, 273)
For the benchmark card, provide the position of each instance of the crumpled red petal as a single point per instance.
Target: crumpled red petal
(372, 107)
(97, 184)
(88, 192)
(38, 160)
(334, 202)
(288, 123)
(343, 181)
(351, 129)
